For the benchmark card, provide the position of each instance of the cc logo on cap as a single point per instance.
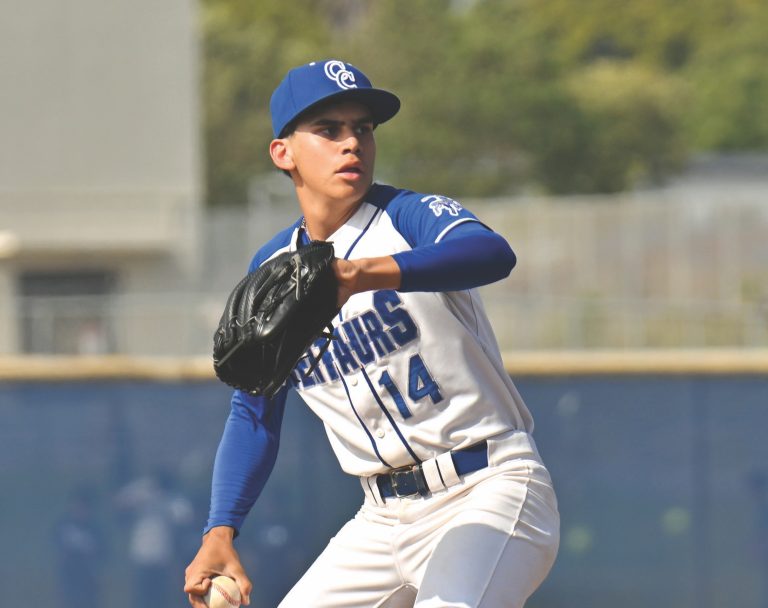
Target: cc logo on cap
(338, 72)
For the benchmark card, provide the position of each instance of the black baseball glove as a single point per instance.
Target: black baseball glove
(272, 317)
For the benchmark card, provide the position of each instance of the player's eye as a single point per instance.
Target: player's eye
(364, 129)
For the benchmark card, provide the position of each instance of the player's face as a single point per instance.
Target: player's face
(333, 152)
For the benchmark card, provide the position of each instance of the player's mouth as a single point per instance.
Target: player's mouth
(351, 171)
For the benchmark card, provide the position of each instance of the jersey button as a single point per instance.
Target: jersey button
(353, 380)
(380, 433)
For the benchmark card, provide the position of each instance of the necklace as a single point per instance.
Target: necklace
(304, 227)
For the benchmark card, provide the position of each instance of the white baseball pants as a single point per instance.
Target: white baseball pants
(487, 542)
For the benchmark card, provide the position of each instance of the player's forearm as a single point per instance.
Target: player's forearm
(245, 459)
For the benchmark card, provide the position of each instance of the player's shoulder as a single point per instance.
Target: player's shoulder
(277, 244)
(384, 195)
(396, 200)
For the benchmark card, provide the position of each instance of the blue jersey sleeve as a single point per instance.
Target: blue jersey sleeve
(245, 457)
(469, 255)
(426, 219)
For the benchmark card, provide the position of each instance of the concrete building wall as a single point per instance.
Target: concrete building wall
(100, 156)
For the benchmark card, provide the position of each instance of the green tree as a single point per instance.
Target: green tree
(580, 122)
(498, 95)
(622, 130)
(729, 83)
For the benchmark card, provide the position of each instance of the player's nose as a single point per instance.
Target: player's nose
(351, 142)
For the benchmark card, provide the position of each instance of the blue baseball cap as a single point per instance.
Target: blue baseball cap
(308, 85)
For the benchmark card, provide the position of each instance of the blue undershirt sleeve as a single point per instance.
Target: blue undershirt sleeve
(245, 457)
(469, 255)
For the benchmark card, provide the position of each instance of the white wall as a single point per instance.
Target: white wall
(100, 154)
(98, 95)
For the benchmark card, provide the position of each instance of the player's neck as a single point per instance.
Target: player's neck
(323, 218)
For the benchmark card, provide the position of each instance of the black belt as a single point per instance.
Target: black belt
(410, 481)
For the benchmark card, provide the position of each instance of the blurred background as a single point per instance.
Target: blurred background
(621, 146)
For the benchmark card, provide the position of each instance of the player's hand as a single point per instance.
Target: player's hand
(217, 555)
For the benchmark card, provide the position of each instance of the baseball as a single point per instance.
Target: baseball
(223, 593)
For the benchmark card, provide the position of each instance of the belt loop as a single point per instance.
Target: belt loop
(432, 474)
(447, 469)
(371, 489)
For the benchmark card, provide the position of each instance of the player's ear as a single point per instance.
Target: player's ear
(282, 157)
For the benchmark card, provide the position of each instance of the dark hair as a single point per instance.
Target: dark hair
(290, 127)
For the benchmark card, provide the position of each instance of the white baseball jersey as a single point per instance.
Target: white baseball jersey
(410, 375)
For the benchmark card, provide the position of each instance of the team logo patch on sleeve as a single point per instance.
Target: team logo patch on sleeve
(438, 204)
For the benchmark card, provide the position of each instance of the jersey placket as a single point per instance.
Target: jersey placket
(380, 434)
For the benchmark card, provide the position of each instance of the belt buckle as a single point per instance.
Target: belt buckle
(408, 481)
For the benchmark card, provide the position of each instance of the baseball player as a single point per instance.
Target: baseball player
(458, 508)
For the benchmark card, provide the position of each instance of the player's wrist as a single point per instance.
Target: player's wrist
(220, 533)
(377, 273)
(349, 275)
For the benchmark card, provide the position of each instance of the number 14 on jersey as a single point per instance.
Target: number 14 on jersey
(421, 384)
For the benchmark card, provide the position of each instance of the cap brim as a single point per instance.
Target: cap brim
(383, 104)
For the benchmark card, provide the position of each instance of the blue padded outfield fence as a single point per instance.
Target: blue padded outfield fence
(659, 459)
